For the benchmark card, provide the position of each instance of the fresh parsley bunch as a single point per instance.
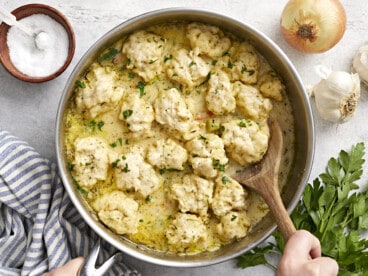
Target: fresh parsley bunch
(333, 209)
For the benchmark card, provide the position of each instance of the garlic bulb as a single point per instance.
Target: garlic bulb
(336, 95)
(360, 63)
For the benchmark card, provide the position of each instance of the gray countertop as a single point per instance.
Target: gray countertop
(29, 110)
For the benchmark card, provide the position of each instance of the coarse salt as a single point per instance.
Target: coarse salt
(42, 55)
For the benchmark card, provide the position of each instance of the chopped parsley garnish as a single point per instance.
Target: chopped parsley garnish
(242, 124)
(225, 179)
(115, 163)
(201, 137)
(206, 79)
(172, 170)
(148, 198)
(230, 65)
(81, 190)
(168, 58)
(217, 165)
(126, 168)
(70, 166)
(93, 124)
(111, 53)
(141, 86)
(131, 75)
(100, 124)
(245, 70)
(245, 123)
(127, 113)
(113, 145)
(162, 171)
(233, 217)
(80, 84)
(192, 63)
(180, 88)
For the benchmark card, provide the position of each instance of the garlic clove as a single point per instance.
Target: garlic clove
(340, 82)
(360, 63)
(337, 95)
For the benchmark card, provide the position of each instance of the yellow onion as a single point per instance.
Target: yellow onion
(313, 26)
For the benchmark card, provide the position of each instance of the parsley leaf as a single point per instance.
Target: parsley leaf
(100, 124)
(141, 86)
(93, 124)
(217, 165)
(256, 257)
(127, 113)
(224, 179)
(333, 209)
(80, 84)
(166, 58)
(206, 79)
(111, 53)
(148, 198)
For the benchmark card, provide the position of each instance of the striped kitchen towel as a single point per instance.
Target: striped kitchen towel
(40, 229)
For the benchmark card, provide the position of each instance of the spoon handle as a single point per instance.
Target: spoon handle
(7, 17)
(281, 216)
(10, 19)
(25, 29)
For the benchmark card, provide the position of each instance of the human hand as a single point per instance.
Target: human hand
(71, 268)
(302, 256)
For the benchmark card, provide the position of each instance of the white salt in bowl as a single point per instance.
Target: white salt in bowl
(26, 11)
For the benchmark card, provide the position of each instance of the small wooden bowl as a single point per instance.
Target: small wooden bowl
(25, 11)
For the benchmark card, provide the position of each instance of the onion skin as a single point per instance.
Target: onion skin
(313, 26)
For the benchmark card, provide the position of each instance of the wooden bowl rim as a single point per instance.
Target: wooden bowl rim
(25, 11)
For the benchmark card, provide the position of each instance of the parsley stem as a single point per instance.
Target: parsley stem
(325, 219)
(271, 266)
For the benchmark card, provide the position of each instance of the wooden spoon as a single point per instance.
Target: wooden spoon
(263, 179)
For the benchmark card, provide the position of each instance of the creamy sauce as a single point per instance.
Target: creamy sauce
(157, 211)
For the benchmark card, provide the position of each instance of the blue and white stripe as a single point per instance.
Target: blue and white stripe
(40, 229)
